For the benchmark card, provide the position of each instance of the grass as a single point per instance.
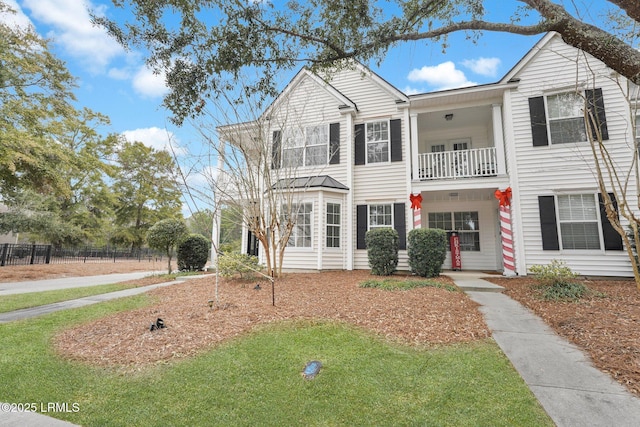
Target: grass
(256, 380)
(394, 284)
(34, 299)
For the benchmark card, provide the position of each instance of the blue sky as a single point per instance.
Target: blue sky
(117, 83)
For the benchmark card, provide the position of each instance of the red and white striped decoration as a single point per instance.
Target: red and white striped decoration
(416, 205)
(507, 241)
(417, 218)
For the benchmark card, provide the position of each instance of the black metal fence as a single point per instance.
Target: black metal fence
(25, 254)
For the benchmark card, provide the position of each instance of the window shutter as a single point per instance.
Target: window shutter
(612, 240)
(362, 226)
(360, 144)
(400, 224)
(596, 105)
(334, 143)
(395, 128)
(548, 224)
(276, 150)
(538, 121)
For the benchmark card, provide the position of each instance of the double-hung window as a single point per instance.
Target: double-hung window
(466, 224)
(300, 236)
(578, 220)
(306, 147)
(380, 216)
(566, 118)
(378, 141)
(333, 225)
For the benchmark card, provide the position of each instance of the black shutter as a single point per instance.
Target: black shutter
(396, 140)
(334, 143)
(538, 121)
(360, 144)
(612, 240)
(400, 224)
(548, 224)
(362, 226)
(276, 150)
(595, 102)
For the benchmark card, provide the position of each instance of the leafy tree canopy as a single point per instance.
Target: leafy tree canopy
(206, 47)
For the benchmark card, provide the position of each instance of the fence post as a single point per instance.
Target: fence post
(3, 257)
(48, 257)
(33, 254)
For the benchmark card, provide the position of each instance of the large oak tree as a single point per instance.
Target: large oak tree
(206, 46)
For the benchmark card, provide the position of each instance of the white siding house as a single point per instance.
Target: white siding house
(361, 147)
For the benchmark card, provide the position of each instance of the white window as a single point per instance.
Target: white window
(380, 216)
(333, 225)
(306, 147)
(377, 142)
(301, 219)
(466, 224)
(566, 118)
(578, 220)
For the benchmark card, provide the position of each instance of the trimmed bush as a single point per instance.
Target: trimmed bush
(427, 249)
(382, 250)
(237, 263)
(557, 282)
(193, 252)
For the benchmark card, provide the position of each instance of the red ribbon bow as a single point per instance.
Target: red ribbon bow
(504, 197)
(416, 201)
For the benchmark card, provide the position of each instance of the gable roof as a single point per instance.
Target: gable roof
(529, 56)
(304, 73)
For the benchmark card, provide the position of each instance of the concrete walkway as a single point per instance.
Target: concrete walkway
(24, 287)
(560, 375)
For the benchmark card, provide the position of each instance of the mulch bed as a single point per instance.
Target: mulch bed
(420, 316)
(605, 324)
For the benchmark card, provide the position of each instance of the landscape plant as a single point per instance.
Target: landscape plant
(382, 250)
(237, 263)
(427, 249)
(558, 282)
(193, 252)
(164, 235)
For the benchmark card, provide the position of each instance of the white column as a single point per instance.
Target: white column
(349, 141)
(321, 228)
(498, 139)
(414, 145)
(215, 229)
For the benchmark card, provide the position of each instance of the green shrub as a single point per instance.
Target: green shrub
(237, 263)
(557, 282)
(554, 273)
(427, 251)
(193, 252)
(382, 250)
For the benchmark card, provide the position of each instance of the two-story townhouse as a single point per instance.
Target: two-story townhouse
(360, 148)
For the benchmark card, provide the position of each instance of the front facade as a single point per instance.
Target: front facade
(360, 148)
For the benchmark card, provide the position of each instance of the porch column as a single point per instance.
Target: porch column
(215, 229)
(320, 222)
(349, 140)
(414, 146)
(498, 139)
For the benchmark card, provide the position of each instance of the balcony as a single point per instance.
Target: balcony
(472, 163)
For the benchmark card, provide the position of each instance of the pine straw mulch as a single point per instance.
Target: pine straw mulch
(420, 316)
(605, 324)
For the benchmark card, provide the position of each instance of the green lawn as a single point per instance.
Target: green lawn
(34, 299)
(256, 380)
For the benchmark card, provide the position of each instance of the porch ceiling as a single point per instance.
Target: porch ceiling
(462, 117)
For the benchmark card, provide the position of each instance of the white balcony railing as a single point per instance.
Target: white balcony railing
(476, 162)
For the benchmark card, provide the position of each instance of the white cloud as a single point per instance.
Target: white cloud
(73, 30)
(483, 66)
(148, 84)
(440, 77)
(17, 19)
(154, 137)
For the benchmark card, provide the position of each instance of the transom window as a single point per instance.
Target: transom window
(377, 142)
(465, 223)
(301, 218)
(333, 225)
(566, 118)
(578, 220)
(306, 147)
(380, 216)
